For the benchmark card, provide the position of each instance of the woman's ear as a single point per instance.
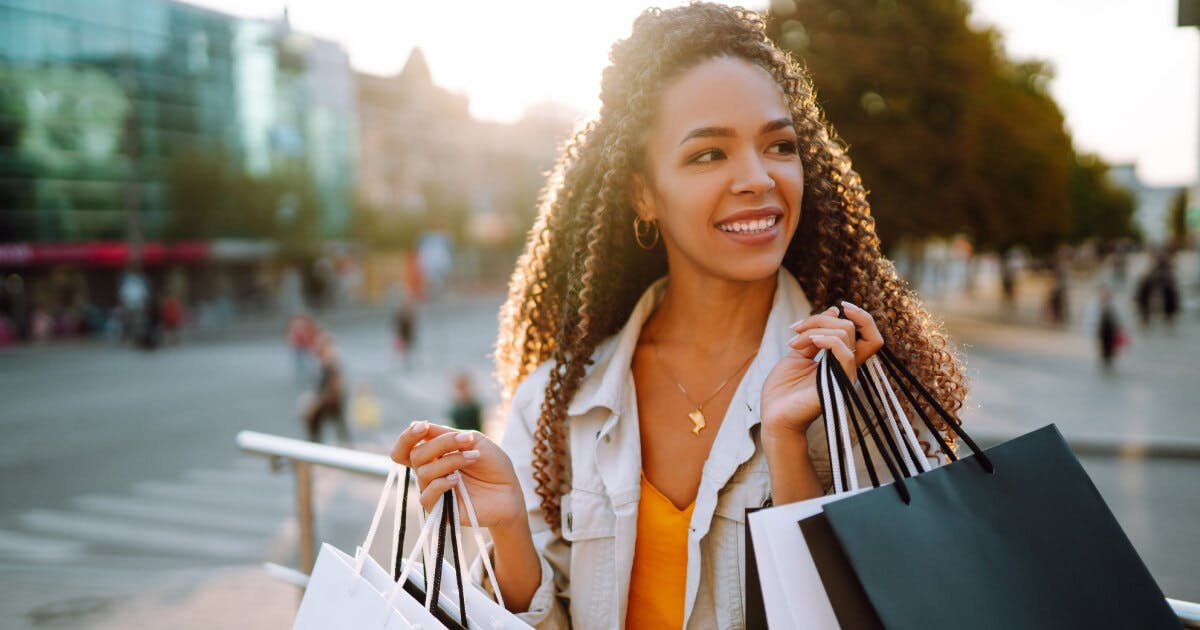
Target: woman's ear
(642, 198)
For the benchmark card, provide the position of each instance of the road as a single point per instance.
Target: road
(125, 498)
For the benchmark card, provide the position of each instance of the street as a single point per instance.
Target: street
(125, 498)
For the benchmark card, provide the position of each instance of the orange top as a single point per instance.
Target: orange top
(659, 576)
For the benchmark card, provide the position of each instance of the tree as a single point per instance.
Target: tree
(1099, 208)
(948, 135)
(1177, 224)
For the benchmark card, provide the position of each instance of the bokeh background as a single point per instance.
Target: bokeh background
(202, 203)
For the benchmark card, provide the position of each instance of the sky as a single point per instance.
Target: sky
(1127, 78)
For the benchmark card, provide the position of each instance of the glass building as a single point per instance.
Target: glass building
(100, 99)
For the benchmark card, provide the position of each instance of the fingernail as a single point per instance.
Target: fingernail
(464, 438)
(850, 306)
(420, 427)
(816, 338)
(793, 340)
(452, 477)
(471, 454)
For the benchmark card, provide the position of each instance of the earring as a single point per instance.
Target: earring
(642, 230)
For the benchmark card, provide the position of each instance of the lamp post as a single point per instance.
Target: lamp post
(1189, 15)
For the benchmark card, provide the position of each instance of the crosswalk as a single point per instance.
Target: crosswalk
(213, 515)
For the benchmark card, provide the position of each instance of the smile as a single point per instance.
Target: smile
(749, 227)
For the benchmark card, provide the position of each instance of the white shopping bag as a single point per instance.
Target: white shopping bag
(482, 611)
(793, 593)
(341, 596)
(355, 592)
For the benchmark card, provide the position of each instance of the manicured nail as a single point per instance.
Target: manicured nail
(420, 427)
(452, 477)
(793, 340)
(850, 306)
(464, 437)
(817, 338)
(471, 455)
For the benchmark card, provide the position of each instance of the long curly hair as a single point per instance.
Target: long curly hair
(582, 272)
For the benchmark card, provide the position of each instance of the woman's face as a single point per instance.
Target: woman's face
(724, 174)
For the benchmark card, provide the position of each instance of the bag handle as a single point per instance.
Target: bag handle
(834, 367)
(894, 366)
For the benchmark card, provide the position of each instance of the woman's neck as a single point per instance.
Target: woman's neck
(711, 315)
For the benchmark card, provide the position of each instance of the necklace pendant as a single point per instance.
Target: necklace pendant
(698, 422)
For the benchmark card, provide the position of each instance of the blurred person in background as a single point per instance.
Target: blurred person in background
(466, 414)
(329, 400)
(400, 304)
(172, 319)
(1110, 335)
(1158, 290)
(657, 352)
(301, 335)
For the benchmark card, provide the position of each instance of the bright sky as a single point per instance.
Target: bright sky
(1127, 78)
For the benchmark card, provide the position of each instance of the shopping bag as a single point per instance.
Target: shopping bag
(355, 592)
(1016, 536)
(481, 610)
(785, 588)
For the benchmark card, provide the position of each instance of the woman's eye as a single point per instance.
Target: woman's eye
(788, 147)
(711, 155)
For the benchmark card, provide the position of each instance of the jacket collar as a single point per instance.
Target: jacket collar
(605, 382)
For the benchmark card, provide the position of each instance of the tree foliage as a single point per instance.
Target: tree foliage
(1099, 208)
(949, 135)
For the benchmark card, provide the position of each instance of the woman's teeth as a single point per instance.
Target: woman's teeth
(743, 227)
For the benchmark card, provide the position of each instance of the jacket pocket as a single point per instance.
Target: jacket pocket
(587, 515)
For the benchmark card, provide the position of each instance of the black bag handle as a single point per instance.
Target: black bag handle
(448, 520)
(894, 366)
(838, 373)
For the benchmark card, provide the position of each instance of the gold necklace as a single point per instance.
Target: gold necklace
(697, 415)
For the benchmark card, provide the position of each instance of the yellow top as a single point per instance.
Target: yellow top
(659, 576)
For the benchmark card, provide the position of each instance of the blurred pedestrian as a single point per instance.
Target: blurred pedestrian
(1109, 332)
(328, 402)
(172, 319)
(151, 332)
(302, 332)
(1008, 282)
(466, 414)
(1056, 301)
(1158, 290)
(404, 323)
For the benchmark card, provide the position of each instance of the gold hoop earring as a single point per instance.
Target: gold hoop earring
(641, 232)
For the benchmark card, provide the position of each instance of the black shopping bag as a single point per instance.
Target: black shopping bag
(1029, 545)
(1016, 536)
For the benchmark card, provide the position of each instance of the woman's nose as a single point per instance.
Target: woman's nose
(753, 178)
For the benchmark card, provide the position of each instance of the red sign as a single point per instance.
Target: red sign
(97, 254)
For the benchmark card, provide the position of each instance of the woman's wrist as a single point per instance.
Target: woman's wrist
(793, 477)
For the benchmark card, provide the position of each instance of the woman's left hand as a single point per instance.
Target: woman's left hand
(789, 396)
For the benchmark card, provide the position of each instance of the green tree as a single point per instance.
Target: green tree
(1099, 208)
(949, 135)
(1177, 225)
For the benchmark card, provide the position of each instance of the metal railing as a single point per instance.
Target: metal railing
(303, 455)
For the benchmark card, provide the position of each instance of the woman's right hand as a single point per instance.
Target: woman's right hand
(440, 455)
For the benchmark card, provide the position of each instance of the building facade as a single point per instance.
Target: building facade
(101, 99)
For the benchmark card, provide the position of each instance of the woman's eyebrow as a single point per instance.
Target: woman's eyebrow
(727, 132)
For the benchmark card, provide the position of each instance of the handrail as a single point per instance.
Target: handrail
(320, 454)
(304, 454)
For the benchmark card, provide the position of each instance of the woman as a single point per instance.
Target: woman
(657, 347)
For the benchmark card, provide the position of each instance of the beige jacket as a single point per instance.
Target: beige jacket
(586, 568)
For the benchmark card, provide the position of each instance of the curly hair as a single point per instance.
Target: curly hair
(581, 272)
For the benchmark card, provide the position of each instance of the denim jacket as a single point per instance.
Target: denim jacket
(586, 568)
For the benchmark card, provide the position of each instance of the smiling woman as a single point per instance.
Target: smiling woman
(657, 350)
